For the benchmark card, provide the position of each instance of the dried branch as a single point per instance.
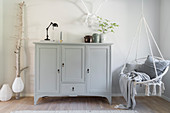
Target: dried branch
(23, 69)
(19, 38)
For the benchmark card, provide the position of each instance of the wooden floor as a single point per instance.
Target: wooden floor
(144, 104)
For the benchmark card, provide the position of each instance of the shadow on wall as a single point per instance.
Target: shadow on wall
(75, 3)
(117, 62)
(116, 86)
(115, 78)
(27, 58)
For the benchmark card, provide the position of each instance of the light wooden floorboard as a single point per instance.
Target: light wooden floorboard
(144, 104)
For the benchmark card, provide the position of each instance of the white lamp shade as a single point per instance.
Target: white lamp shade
(5, 93)
(18, 85)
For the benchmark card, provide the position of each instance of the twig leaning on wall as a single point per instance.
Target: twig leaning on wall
(17, 87)
(20, 38)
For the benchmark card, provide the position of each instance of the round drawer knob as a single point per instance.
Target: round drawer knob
(72, 88)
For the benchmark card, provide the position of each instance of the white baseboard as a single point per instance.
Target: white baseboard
(27, 95)
(31, 95)
(142, 94)
(119, 94)
(166, 98)
(113, 95)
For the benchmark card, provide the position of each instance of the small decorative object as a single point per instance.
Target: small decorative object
(61, 37)
(54, 25)
(20, 37)
(18, 85)
(96, 38)
(5, 93)
(88, 39)
(105, 26)
(102, 38)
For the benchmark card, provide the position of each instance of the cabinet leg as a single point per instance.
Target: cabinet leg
(35, 100)
(109, 98)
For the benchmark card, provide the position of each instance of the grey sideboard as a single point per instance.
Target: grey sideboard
(72, 69)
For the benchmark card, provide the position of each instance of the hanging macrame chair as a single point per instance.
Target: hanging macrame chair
(157, 80)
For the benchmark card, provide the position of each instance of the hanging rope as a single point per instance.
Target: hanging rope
(138, 44)
(138, 27)
(136, 33)
(150, 47)
(154, 39)
(139, 37)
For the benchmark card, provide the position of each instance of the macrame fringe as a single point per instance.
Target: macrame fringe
(154, 89)
(163, 87)
(154, 92)
(147, 90)
(160, 90)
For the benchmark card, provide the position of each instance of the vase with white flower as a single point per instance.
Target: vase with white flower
(105, 26)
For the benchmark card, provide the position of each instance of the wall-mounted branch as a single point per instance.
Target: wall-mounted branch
(90, 16)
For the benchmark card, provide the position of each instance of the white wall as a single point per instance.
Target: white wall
(68, 14)
(165, 39)
(1, 42)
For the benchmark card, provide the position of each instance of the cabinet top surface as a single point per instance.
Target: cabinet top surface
(56, 43)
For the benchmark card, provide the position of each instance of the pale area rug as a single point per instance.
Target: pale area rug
(80, 111)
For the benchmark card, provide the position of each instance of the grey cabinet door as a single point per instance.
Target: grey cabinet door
(48, 71)
(97, 66)
(72, 64)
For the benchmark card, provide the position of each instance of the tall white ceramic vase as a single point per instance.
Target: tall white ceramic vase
(5, 93)
(18, 86)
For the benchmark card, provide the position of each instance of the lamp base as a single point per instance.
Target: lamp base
(47, 39)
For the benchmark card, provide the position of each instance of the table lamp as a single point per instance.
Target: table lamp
(54, 25)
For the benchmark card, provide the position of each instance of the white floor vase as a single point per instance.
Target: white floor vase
(18, 85)
(5, 93)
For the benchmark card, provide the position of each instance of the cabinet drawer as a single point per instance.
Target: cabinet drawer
(73, 88)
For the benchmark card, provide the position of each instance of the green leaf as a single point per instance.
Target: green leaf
(113, 24)
(105, 23)
(100, 30)
(101, 25)
(107, 20)
(111, 27)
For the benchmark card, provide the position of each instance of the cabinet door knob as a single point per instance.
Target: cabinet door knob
(62, 64)
(72, 88)
(88, 70)
(58, 70)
